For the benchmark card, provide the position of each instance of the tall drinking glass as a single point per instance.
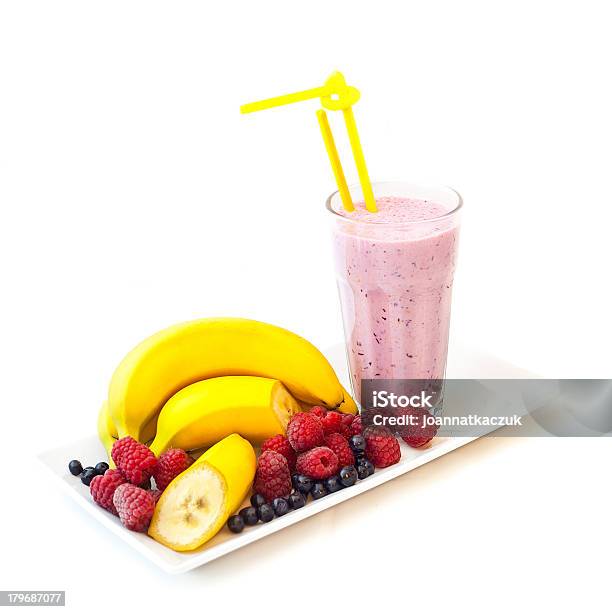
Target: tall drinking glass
(395, 276)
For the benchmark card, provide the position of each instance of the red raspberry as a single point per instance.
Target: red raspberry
(155, 494)
(135, 506)
(338, 444)
(134, 460)
(281, 445)
(318, 411)
(345, 431)
(319, 462)
(169, 465)
(356, 428)
(304, 432)
(347, 419)
(332, 422)
(382, 447)
(273, 478)
(417, 435)
(102, 489)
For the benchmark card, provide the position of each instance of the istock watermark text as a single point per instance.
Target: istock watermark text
(386, 399)
(470, 420)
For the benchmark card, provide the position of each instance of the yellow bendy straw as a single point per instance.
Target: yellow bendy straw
(334, 160)
(362, 170)
(334, 95)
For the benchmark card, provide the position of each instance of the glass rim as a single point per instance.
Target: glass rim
(446, 215)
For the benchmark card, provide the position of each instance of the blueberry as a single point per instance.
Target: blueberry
(235, 524)
(367, 463)
(348, 476)
(249, 515)
(87, 475)
(362, 471)
(318, 490)
(101, 467)
(257, 500)
(302, 483)
(333, 484)
(75, 467)
(357, 444)
(296, 500)
(265, 513)
(281, 506)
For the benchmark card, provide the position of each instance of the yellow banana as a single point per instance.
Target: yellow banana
(105, 429)
(196, 504)
(188, 352)
(348, 406)
(205, 412)
(107, 432)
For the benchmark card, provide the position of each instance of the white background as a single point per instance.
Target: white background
(134, 195)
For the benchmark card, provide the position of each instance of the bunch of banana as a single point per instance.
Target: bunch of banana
(249, 358)
(221, 384)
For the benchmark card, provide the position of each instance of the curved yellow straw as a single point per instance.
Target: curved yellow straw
(300, 96)
(334, 160)
(334, 95)
(362, 170)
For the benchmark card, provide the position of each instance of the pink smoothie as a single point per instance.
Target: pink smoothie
(395, 275)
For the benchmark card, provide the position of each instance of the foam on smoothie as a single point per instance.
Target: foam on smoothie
(392, 209)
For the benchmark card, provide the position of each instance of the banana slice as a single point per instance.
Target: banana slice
(191, 510)
(196, 504)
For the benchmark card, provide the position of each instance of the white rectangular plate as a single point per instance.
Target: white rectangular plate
(90, 451)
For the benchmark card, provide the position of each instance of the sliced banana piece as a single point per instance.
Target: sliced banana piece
(196, 504)
(191, 509)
